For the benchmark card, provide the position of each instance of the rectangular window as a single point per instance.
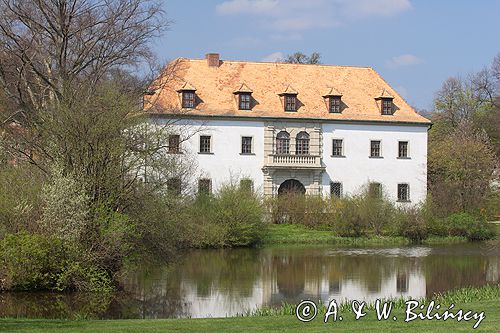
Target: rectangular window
(204, 186)
(375, 148)
(205, 144)
(246, 145)
(290, 103)
(335, 104)
(246, 184)
(244, 101)
(402, 283)
(336, 189)
(375, 190)
(403, 149)
(188, 99)
(173, 144)
(337, 147)
(174, 186)
(386, 106)
(403, 192)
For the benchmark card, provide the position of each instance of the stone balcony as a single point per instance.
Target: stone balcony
(288, 161)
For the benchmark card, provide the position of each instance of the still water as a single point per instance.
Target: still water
(219, 283)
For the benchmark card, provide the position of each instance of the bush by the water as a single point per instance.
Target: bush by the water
(39, 262)
(233, 216)
(464, 224)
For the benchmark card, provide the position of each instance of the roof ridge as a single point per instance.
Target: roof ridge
(280, 63)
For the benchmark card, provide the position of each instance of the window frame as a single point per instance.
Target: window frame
(242, 145)
(280, 146)
(379, 149)
(293, 102)
(177, 190)
(250, 188)
(209, 188)
(176, 149)
(335, 104)
(302, 145)
(384, 107)
(188, 103)
(341, 189)
(375, 190)
(407, 195)
(341, 147)
(407, 156)
(244, 105)
(201, 151)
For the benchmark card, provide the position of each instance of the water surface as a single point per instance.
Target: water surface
(219, 283)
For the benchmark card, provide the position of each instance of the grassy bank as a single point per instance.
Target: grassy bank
(299, 234)
(474, 299)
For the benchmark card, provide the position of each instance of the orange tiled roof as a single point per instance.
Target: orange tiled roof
(360, 88)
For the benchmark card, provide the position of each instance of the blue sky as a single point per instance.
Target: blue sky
(415, 45)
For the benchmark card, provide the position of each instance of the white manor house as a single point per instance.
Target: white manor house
(316, 129)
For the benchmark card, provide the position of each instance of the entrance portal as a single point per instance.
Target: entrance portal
(291, 186)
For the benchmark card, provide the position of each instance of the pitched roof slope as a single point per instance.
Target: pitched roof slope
(215, 87)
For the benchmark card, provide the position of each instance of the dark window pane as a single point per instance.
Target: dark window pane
(246, 145)
(290, 103)
(205, 144)
(204, 186)
(302, 144)
(403, 149)
(174, 186)
(337, 147)
(335, 104)
(173, 144)
(403, 192)
(283, 143)
(244, 101)
(375, 148)
(336, 189)
(387, 106)
(188, 99)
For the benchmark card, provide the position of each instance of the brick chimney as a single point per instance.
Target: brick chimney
(212, 59)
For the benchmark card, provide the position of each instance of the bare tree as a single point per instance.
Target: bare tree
(301, 58)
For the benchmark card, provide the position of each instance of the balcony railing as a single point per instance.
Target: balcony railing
(293, 161)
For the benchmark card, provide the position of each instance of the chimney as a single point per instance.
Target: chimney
(212, 59)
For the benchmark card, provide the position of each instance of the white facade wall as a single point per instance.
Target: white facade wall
(354, 170)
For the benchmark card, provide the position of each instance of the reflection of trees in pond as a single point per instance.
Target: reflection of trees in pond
(55, 305)
(232, 272)
(445, 272)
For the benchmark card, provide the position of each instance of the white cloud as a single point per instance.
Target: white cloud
(404, 60)
(300, 15)
(245, 6)
(373, 8)
(273, 57)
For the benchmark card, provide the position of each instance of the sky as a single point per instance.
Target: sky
(414, 44)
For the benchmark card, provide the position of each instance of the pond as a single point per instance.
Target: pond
(219, 283)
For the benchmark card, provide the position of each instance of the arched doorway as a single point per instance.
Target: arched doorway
(291, 186)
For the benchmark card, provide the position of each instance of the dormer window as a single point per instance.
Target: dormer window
(333, 97)
(335, 104)
(244, 94)
(290, 103)
(387, 106)
(188, 97)
(244, 101)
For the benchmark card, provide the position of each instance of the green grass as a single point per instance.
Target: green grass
(284, 323)
(299, 234)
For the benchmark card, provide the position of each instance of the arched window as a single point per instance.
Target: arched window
(283, 143)
(302, 144)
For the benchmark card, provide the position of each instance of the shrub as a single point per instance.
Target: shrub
(347, 220)
(39, 262)
(412, 225)
(464, 224)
